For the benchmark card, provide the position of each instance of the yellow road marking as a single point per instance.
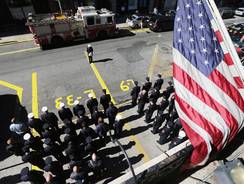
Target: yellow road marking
(18, 89)
(153, 62)
(141, 30)
(34, 95)
(34, 108)
(100, 79)
(138, 145)
(18, 51)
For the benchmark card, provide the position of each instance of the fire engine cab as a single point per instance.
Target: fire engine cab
(56, 29)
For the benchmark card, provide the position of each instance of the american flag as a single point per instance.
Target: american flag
(208, 82)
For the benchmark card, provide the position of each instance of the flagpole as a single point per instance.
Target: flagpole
(230, 47)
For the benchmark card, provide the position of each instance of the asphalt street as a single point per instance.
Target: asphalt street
(64, 74)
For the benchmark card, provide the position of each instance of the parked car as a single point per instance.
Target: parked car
(236, 30)
(134, 21)
(161, 23)
(240, 11)
(226, 12)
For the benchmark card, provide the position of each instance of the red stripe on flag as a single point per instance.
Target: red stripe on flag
(199, 92)
(227, 87)
(200, 147)
(219, 36)
(198, 119)
(239, 82)
(228, 60)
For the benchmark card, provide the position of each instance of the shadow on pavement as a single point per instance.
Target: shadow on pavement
(116, 167)
(115, 149)
(10, 179)
(125, 107)
(8, 105)
(132, 118)
(103, 60)
(134, 131)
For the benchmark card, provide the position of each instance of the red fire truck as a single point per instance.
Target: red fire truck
(56, 29)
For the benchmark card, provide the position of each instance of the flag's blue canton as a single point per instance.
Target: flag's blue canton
(194, 38)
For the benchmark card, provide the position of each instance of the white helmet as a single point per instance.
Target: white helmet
(90, 95)
(118, 117)
(89, 45)
(181, 134)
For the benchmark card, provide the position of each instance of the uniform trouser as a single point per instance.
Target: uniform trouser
(90, 59)
(141, 106)
(156, 125)
(164, 135)
(148, 116)
(133, 101)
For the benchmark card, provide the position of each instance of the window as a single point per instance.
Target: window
(90, 20)
(98, 20)
(109, 20)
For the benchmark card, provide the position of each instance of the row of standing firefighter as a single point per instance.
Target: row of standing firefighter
(79, 141)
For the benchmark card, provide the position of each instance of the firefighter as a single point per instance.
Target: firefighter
(147, 85)
(35, 123)
(159, 82)
(34, 143)
(142, 100)
(150, 110)
(34, 158)
(118, 126)
(178, 139)
(65, 113)
(104, 100)
(50, 118)
(91, 103)
(89, 51)
(79, 109)
(111, 113)
(134, 93)
(158, 121)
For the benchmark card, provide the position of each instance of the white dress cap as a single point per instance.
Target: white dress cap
(118, 117)
(181, 134)
(90, 95)
(61, 105)
(27, 136)
(30, 115)
(44, 109)
(76, 102)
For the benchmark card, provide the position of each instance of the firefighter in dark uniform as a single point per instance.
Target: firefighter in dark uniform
(150, 110)
(35, 123)
(142, 100)
(54, 149)
(50, 118)
(34, 158)
(159, 82)
(95, 115)
(169, 90)
(118, 126)
(81, 120)
(34, 143)
(15, 147)
(70, 136)
(102, 129)
(158, 121)
(91, 103)
(147, 85)
(89, 51)
(50, 132)
(164, 103)
(32, 176)
(104, 100)
(73, 152)
(87, 131)
(111, 113)
(55, 168)
(79, 109)
(65, 113)
(134, 93)
(166, 132)
(95, 164)
(181, 137)
(154, 94)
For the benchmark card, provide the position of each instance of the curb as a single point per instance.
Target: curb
(14, 42)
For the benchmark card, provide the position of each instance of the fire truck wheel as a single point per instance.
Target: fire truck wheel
(57, 41)
(43, 46)
(102, 34)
